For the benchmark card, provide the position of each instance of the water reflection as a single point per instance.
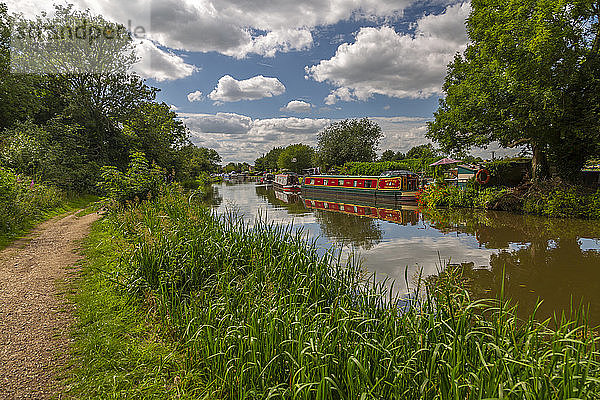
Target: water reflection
(556, 260)
(553, 259)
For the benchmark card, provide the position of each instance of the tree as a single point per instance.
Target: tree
(155, 131)
(348, 140)
(269, 160)
(193, 161)
(422, 151)
(529, 76)
(296, 158)
(388, 155)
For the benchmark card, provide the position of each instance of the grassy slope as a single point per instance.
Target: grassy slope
(118, 351)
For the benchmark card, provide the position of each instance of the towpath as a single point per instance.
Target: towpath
(35, 317)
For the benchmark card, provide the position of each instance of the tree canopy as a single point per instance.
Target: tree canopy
(269, 160)
(529, 76)
(296, 157)
(348, 140)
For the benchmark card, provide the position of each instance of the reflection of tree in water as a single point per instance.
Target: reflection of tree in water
(213, 197)
(293, 206)
(540, 257)
(349, 229)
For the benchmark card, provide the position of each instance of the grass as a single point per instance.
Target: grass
(21, 225)
(176, 302)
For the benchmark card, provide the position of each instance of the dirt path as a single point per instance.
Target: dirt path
(34, 315)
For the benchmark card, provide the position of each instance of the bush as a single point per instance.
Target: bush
(377, 168)
(23, 202)
(141, 181)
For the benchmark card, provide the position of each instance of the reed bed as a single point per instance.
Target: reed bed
(262, 314)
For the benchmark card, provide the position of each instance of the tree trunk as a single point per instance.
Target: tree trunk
(539, 163)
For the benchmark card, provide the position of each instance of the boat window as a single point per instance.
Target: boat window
(355, 182)
(368, 183)
(341, 182)
(307, 181)
(325, 182)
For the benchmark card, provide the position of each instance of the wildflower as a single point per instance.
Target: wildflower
(31, 185)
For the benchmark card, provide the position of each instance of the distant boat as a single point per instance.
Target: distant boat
(287, 183)
(391, 185)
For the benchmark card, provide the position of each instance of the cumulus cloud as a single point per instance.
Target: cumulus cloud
(343, 94)
(232, 27)
(258, 87)
(240, 138)
(297, 106)
(195, 96)
(383, 61)
(160, 65)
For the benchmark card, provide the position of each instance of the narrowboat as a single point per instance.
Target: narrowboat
(266, 179)
(391, 185)
(287, 183)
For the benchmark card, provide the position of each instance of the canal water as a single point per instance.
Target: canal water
(553, 260)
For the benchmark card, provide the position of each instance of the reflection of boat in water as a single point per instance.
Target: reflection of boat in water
(399, 214)
(287, 183)
(289, 198)
(392, 185)
(267, 179)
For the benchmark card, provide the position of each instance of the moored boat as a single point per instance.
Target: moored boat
(392, 185)
(287, 183)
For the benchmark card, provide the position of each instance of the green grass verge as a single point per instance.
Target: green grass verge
(118, 352)
(70, 203)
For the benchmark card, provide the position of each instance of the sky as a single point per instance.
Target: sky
(248, 75)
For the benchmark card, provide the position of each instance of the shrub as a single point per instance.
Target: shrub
(141, 181)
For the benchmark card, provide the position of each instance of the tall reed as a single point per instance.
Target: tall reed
(262, 314)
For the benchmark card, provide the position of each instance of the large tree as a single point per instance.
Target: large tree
(348, 140)
(530, 76)
(296, 157)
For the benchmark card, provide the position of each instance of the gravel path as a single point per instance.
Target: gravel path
(34, 315)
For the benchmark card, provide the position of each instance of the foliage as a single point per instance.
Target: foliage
(348, 140)
(154, 130)
(258, 312)
(268, 162)
(296, 157)
(509, 172)
(141, 181)
(422, 151)
(377, 168)
(529, 76)
(557, 199)
(25, 202)
(236, 167)
(195, 161)
(552, 198)
(435, 196)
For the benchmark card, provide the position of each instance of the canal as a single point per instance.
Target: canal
(553, 260)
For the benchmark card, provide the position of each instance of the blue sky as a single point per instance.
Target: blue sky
(246, 76)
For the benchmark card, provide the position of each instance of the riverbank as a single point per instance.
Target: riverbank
(199, 306)
(552, 198)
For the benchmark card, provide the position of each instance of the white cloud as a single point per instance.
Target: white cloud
(232, 27)
(343, 94)
(159, 64)
(297, 106)
(240, 138)
(382, 61)
(195, 96)
(229, 89)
